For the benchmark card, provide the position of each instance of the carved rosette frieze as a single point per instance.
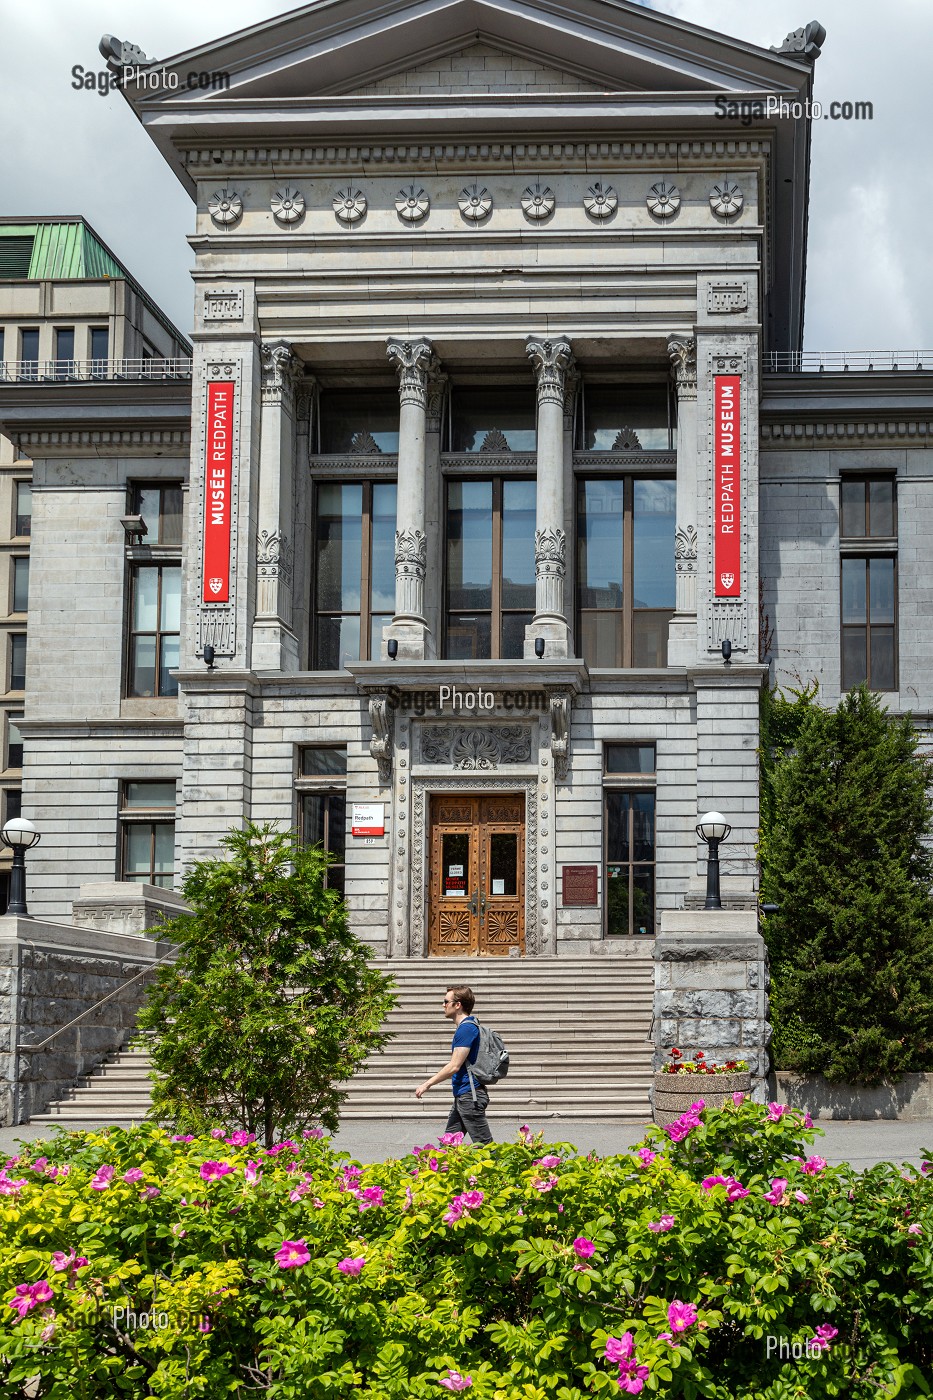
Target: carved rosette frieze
(552, 361)
(475, 747)
(411, 555)
(682, 352)
(380, 745)
(415, 363)
(281, 371)
(550, 571)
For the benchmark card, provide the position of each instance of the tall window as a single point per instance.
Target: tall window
(17, 661)
(20, 585)
(626, 418)
(64, 352)
(629, 779)
(29, 352)
(12, 803)
(354, 570)
(868, 539)
(100, 351)
(490, 567)
(322, 806)
(495, 419)
(22, 524)
(625, 570)
(155, 610)
(160, 506)
(147, 832)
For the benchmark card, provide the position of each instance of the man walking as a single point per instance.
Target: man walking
(465, 1116)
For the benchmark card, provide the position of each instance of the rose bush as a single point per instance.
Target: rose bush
(134, 1263)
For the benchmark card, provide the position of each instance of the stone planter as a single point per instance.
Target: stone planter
(674, 1093)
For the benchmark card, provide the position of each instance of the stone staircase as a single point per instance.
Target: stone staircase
(577, 1030)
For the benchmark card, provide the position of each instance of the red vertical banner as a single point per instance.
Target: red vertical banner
(218, 491)
(727, 482)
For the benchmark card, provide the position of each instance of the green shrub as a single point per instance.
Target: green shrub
(514, 1272)
(271, 1004)
(846, 814)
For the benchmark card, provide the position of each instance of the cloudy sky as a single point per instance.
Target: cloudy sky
(870, 281)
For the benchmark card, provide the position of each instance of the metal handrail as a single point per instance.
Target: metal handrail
(818, 361)
(88, 371)
(23, 1049)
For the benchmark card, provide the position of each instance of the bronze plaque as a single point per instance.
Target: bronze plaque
(579, 885)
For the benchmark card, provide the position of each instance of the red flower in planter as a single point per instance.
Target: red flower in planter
(675, 1053)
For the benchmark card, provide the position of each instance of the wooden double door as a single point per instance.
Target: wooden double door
(477, 899)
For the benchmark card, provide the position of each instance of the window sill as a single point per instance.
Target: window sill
(150, 706)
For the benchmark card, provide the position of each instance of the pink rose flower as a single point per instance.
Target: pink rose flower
(8, 1187)
(620, 1348)
(802, 1197)
(735, 1190)
(134, 1174)
(39, 1164)
(661, 1226)
(455, 1381)
(313, 1133)
(213, 1171)
(353, 1267)
(915, 1229)
(150, 1193)
(291, 1254)
(738, 1099)
(807, 1120)
(547, 1162)
(251, 1172)
(205, 1325)
(102, 1178)
(645, 1156)
(183, 1137)
(825, 1336)
(545, 1183)
(813, 1166)
(241, 1138)
(632, 1378)
(29, 1295)
(778, 1191)
(776, 1111)
(680, 1316)
(217, 1132)
(451, 1139)
(371, 1196)
(583, 1248)
(710, 1181)
(472, 1200)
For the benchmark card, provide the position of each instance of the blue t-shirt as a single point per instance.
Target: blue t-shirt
(467, 1033)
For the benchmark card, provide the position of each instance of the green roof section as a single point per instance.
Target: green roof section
(57, 250)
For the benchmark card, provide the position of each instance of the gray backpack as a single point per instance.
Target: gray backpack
(492, 1059)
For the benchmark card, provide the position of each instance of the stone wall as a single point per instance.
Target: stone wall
(711, 981)
(50, 974)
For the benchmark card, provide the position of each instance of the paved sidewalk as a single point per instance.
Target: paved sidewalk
(861, 1144)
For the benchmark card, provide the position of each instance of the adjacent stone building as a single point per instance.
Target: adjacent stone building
(499, 482)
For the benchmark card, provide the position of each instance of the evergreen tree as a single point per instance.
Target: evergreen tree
(271, 1004)
(843, 853)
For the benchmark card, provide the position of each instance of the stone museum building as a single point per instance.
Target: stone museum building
(495, 489)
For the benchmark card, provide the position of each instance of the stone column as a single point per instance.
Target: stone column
(416, 363)
(275, 646)
(682, 634)
(553, 363)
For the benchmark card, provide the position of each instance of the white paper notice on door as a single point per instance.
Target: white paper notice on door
(498, 887)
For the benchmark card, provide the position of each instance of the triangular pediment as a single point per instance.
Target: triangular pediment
(475, 68)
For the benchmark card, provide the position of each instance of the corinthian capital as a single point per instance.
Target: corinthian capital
(553, 361)
(682, 351)
(415, 363)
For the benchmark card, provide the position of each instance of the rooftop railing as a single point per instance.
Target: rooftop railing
(87, 371)
(855, 361)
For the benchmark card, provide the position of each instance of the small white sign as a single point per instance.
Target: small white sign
(455, 870)
(498, 887)
(367, 819)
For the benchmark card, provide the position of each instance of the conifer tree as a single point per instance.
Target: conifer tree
(271, 1004)
(844, 856)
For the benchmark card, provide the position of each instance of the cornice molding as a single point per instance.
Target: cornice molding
(104, 437)
(203, 161)
(803, 433)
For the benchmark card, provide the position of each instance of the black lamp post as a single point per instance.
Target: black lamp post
(713, 828)
(19, 834)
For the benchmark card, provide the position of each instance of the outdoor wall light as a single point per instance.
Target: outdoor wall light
(539, 647)
(19, 834)
(209, 656)
(392, 648)
(134, 527)
(727, 651)
(713, 828)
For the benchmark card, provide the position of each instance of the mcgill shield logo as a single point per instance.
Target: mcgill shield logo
(727, 580)
(215, 584)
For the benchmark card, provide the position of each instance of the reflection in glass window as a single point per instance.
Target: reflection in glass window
(160, 506)
(490, 567)
(867, 508)
(869, 622)
(361, 421)
(626, 418)
(630, 863)
(155, 611)
(354, 571)
(493, 419)
(625, 570)
(147, 832)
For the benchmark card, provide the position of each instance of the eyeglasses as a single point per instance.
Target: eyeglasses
(451, 1001)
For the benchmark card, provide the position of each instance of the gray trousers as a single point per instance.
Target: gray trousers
(467, 1117)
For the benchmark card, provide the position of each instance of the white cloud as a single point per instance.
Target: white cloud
(870, 280)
